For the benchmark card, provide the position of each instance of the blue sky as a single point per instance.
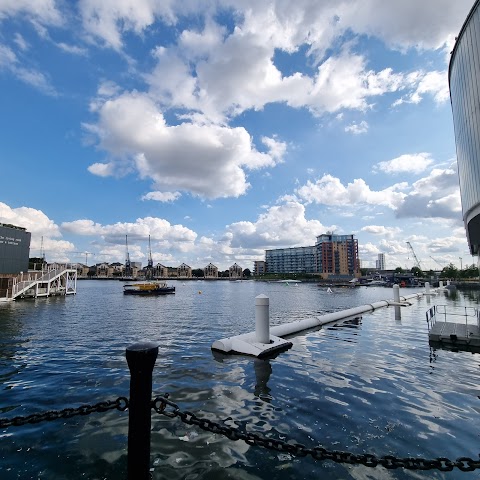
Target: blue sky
(224, 128)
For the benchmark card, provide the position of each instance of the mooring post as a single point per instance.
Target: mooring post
(141, 359)
(396, 294)
(262, 319)
(396, 299)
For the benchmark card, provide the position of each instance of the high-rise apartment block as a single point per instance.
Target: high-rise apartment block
(331, 256)
(380, 263)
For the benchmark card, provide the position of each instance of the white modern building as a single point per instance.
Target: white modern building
(380, 263)
(464, 77)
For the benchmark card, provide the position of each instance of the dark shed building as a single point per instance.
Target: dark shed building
(14, 249)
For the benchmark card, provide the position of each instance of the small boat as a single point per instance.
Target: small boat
(148, 288)
(375, 283)
(329, 290)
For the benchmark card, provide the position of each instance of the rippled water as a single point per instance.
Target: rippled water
(368, 386)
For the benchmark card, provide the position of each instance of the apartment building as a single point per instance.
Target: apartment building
(331, 256)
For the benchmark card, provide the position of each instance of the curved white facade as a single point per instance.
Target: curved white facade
(464, 81)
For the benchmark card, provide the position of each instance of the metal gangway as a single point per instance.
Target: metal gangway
(59, 280)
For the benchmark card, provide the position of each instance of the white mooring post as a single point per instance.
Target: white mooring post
(427, 288)
(262, 320)
(396, 299)
(396, 294)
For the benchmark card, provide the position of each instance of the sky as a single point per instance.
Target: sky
(223, 128)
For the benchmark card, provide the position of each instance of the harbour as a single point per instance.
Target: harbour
(369, 385)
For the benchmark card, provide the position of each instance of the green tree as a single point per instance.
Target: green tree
(197, 272)
(450, 271)
(470, 272)
(399, 270)
(417, 272)
(247, 273)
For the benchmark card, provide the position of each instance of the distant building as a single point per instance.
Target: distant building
(184, 271)
(290, 260)
(14, 249)
(463, 75)
(103, 270)
(235, 271)
(331, 256)
(210, 271)
(82, 270)
(160, 271)
(380, 263)
(337, 256)
(259, 267)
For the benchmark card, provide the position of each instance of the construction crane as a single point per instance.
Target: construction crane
(128, 265)
(437, 262)
(149, 271)
(417, 262)
(150, 259)
(42, 251)
(86, 256)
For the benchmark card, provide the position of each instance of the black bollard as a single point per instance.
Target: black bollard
(141, 360)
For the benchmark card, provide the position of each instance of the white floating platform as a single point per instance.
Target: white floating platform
(457, 334)
(266, 341)
(248, 345)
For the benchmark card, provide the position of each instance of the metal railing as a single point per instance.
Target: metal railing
(439, 313)
(30, 279)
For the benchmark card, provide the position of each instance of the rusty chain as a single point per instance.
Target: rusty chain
(465, 464)
(121, 403)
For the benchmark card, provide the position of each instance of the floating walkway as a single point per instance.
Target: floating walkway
(462, 335)
(59, 281)
(266, 341)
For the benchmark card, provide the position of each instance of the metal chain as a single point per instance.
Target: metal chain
(121, 403)
(465, 464)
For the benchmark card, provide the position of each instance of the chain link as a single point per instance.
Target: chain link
(465, 464)
(160, 404)
(121, 403)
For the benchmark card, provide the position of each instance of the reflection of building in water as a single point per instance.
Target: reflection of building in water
(263, 370)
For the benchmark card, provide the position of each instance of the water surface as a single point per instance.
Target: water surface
(371, 385)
